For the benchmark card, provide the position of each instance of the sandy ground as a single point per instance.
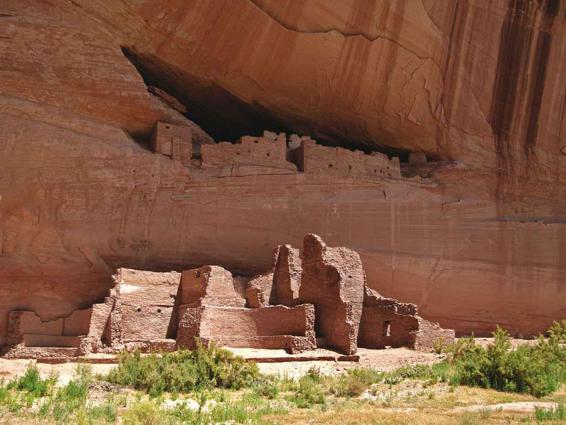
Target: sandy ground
(10, 368)
(384, 360)
(380, 359)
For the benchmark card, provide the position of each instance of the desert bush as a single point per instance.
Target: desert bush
(32, 383)
(439, 345)
(308, 392)
(348, 386)
(366, 376)
(184, 371)
(70, 399)
(267, 388)
(354, 382)
(145, 413)
(557, 413)
(537, 370)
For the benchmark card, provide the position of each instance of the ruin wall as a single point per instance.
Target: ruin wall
(147, 302)
(249, 155)
(174, 141)
(267, 327)
(317, 159)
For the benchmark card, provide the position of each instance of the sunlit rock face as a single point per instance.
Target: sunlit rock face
(478, 86)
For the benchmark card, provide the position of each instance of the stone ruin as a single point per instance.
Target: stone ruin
(269, 154)
(174, 141)
(314, 298)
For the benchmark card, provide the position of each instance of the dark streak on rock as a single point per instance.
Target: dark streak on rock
(513, 86)
(539, 75)
(511, 48)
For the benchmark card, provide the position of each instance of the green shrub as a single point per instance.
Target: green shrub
(354, 382)
(557, 413)
(71, 398)
(314, 374)
(32, 383)
(267, 388)
(348, 386)
(144, 413)
(538, 369)
(439, 345)
(557, 332)
(184, 371)
(106, 412)
(366, 376)
(409, 372)
(308, 392)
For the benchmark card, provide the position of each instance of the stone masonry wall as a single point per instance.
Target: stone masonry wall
(174, 141)
(387, 322)
(291, 328)
(249, 155)
(286, 276)
(317, 159)
(147, 301)
(333, 280)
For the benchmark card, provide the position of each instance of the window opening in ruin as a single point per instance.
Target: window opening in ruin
(387, 328)
(159, 310)
(138, 309)
(329, 165)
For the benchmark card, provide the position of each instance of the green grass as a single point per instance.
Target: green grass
(32, 396)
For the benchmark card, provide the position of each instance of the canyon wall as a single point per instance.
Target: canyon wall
(477, 85)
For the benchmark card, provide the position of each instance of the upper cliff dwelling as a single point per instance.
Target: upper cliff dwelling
(271, 154)
(170, 137)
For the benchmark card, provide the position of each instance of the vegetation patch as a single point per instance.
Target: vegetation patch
(32, 396)
(184, 371)
(211, 385)
(537, 369)
(557, 413)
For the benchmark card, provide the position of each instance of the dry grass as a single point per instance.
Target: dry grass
(372, 415)
(421, 409)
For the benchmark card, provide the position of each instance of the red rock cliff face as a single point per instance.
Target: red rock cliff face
(476, 82)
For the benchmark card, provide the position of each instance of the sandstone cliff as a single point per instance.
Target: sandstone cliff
(478, 85)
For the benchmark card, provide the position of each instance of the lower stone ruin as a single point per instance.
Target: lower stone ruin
(314, 298)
